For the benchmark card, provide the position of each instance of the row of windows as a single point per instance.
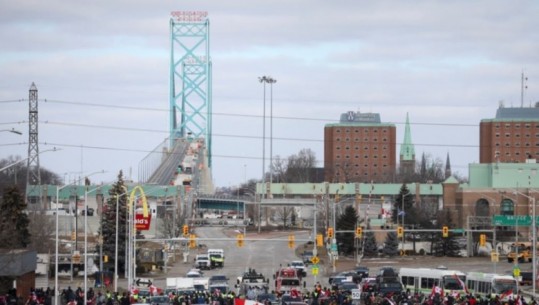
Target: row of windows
(516, 144)
(365, 130)
(426, 283)
(508, 154)
(366, 174)
(374, 156)
(517, 125)
(374, 147)
(479, 287)
(516, 135)
(367, 140)
(365, 165)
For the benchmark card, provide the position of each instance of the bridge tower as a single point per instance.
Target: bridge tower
(190, 77)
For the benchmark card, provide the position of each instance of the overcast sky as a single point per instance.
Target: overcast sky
(446, 63)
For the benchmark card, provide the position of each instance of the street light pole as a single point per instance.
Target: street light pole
(402, 218)
(57, 291)
(86, 191)
(263, 79)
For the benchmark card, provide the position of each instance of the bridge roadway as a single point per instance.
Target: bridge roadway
(166, 170)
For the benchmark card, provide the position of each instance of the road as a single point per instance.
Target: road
(267, 256)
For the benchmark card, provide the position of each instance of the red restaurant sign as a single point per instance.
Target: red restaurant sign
(142, 223)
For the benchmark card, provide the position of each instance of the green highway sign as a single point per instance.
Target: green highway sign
(513, 220)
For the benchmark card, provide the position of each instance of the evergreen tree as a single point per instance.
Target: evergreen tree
(14, 233)
(447, 246)
(118, 194)
(408, 214)
(391, 244)
(347, 222)
(370, 248)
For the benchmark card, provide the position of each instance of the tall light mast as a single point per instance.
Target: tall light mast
(33, 176)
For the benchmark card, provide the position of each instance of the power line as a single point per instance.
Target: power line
(244, 115)
(79, 146)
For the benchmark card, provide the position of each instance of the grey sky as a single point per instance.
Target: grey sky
(446, 63)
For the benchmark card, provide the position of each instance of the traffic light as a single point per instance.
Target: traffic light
(359, 232)
(239, 238)
(73, 235)
(185, 230)
(319, 240)
(330, 232)
(445, 231)
(192, 241)
(400, 232)
(337, 198)
(105, 258)
(358, 198)
(291, 241)
(482, 240)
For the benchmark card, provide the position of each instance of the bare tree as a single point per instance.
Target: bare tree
(285, 214)
(42, 230)
(296, 168)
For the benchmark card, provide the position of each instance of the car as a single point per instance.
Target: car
(352, 276)
(90, 212)
(160, 300)
(270, 297)
(288, 299)
(347, 287)
(194, 273)
(307, 256)
(367, 285)
(336, 280)
(218, 278)
(362, 271)
(300, 267)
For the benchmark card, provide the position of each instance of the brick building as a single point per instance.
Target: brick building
(511, 137)
(360, 148)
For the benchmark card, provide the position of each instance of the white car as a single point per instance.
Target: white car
(300, 267)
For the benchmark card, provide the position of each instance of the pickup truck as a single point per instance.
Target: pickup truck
(307, 255)
(202, 261)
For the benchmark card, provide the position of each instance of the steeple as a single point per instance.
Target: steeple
(407, 148)
(447, 167)
(407, 155)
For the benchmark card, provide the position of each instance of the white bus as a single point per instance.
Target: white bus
(422, 280)
(487, 284)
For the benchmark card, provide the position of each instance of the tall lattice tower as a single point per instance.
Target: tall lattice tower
(33, 176)
(190, 77)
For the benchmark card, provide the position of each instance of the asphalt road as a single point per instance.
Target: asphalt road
(266, 256)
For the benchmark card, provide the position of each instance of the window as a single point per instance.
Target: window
(497, 135)
(507, 135)
(337, 130)
(507, 207)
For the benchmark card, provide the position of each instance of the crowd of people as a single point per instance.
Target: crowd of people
(318, 296)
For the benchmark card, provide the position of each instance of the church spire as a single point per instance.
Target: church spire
(448, 172)
(407, 148)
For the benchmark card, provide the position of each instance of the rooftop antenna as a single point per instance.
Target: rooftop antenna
(523, 86)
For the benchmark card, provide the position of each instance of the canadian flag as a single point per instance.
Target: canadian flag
(462, 284)
(437, 290)
(507, 294)
(153, 290)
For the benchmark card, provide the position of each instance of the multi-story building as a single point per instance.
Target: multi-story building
(360, 148)
(511, 137)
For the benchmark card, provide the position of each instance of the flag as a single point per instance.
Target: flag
(462, 284)
(437, 290)
(390, 301)
(401, 213)
(506, 294)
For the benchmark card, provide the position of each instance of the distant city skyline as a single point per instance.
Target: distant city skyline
(103, 77)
